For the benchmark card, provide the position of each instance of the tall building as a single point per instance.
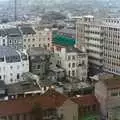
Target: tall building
(12, 64)
(111, 44)
(90, 35)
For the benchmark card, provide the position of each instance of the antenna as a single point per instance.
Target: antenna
(15, 10)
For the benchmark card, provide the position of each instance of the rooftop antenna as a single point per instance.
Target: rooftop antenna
(15, 10)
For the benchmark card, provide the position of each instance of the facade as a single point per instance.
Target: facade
(44, 37)
(107, 93)
(12, 64)
(29, 37)
(112, 45)
(90, 35)
(73, 61)
(14, 38)
(39, 60)
(3, 37)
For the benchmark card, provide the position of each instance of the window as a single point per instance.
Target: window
(69, 65)
(68, 57)
(114, 94)
(0, 77)
(38, 67)
(18, 76)
(33, 39)
(24, 46)
(15, 41)
(73, 57)
(11, 80)
(28, 40)
(24, 40)
(73, 65)
(73, 73)
(33, 45)
(39, 45)
(11, 67)
(69, 73)
(10, 41)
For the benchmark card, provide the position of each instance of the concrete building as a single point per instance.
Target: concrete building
(111, 44)
(39, 60)
(108, 95)
(74, 61)
(12, 64)
(14, 38)
(89, 34)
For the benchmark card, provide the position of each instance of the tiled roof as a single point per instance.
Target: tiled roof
(13, 32)
(85, 100)
(113, 82)
(24, 105)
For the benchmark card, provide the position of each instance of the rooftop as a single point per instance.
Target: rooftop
(85, 100)
(113, 82)
(38, 51)
(62, 40)
(27, 30)
(13, 32)
(22, 87)
(68, 31)
(7, 52)
(25, 105)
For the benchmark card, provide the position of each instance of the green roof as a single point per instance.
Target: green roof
(63, 40)
(91, 117)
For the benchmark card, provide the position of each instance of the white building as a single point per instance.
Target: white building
(112, 45)
(3, 38)
(74, 61)
(12, 64)
(89, 34)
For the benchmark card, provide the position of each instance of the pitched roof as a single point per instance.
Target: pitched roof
(25, 105)
(27, 30)
(85, 100)
(113, 82)
(13, 32)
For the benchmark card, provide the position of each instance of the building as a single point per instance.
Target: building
(39, 60)
(74, 61)
(3, 38)
(12, 64)
(90, 35)
(29, 37)
(14, 38)
(44, 37)
(108, 95)
(88, 107)
(59, 107)
(111, 43)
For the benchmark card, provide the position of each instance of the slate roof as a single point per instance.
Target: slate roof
(13, 32)
(27, 30)
(7, 52)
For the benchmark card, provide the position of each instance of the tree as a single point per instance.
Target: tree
(37, 112)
